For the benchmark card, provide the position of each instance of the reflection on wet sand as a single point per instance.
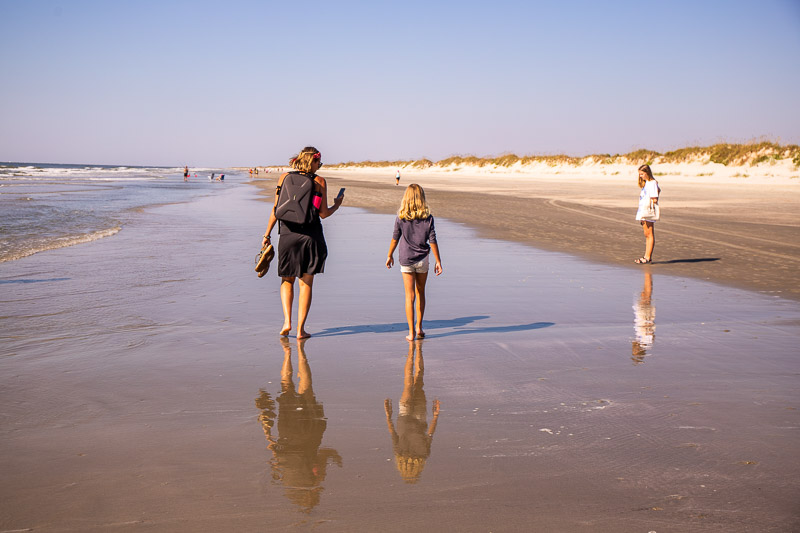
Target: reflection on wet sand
(644, 321)
(411, 436)
(298, 462)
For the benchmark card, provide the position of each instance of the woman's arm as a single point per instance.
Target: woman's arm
(272, 219)
(325, 210)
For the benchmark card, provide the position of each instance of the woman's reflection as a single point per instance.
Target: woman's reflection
(298, 461)
(412, 437)
(644, 321)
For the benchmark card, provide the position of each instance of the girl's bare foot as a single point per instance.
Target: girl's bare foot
(303, 334)
(410, 337)
(285, 330)
(420, 334)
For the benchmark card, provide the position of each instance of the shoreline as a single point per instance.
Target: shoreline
(736, 233)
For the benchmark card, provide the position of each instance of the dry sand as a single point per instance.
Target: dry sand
(143, 387)
(743, 232)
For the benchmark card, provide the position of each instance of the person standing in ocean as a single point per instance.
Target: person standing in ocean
(302, 249)
(186, 173)
(648, 197)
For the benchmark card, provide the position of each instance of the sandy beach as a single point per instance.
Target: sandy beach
(742, 232)
(144, 386)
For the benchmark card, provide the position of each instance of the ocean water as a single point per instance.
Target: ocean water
(48, 206)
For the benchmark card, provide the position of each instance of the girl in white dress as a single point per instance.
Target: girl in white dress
(647, 197)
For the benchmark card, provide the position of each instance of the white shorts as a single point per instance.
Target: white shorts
(419, 268)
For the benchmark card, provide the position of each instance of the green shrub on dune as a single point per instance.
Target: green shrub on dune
(642, 156)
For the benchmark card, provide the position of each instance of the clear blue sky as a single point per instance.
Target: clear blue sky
(251, 82)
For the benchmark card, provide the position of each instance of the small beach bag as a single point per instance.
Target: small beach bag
(653, 212)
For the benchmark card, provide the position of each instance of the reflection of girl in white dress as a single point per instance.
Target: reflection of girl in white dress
(644, 321)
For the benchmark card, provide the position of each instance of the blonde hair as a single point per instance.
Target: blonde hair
(410, 467)
(305, 159)
(646, 170)
(414, 205)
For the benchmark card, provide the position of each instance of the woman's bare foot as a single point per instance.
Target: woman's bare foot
(420, 334)
(410, 337)
(285, 330)
(303, 334)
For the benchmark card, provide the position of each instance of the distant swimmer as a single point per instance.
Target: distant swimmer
(397, 178)
(212, 175)
(186, 173)
(222, 177)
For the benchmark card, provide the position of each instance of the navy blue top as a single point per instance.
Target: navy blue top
(413, 237)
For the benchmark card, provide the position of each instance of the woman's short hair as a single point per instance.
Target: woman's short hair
(305, 159)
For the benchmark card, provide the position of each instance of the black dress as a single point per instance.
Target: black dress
(302, 248)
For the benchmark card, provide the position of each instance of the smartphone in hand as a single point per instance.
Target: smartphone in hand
(341, 192)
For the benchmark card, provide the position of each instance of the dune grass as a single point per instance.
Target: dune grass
(747, 154)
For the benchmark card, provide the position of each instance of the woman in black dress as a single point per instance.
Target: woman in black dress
(301, 249)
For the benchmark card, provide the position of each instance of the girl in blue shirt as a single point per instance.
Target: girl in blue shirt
(415, 234)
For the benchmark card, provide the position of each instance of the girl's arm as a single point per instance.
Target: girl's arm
(435, 250)
(653, 192)
(432, 427)
(325, 210)
(387, 406)
(390, 257)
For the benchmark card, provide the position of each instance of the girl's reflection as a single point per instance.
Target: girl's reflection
(298, 461)
(644, 321)
(412, 437)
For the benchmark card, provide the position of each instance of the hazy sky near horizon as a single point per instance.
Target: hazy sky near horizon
(162, 82)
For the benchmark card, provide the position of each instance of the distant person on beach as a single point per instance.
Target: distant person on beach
(647, 197)
(302, 249)
(397, 178)
(186, 173)
(413, 230)
(213, 174)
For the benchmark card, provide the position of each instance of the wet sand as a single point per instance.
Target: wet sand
(144, 387)
(728, 231)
